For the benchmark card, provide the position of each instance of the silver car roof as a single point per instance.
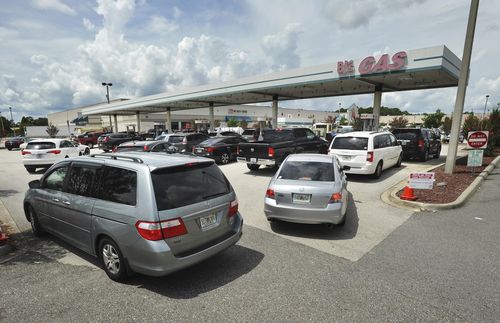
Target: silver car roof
(311, 157)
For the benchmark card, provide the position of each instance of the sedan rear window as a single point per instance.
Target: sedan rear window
(40, 145)
(175, 139)
(350, 143)
(307, 171)
(188, 184)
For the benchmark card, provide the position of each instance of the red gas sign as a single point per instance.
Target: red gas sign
(370, 65)
(477, 139)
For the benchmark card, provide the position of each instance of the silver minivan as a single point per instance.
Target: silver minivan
(137, 212)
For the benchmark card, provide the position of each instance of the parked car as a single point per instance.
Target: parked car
(14, 142)
(42, 153)
(308, 188)
(146, 146)
(184, 142)
(278, 144)
(418, 143)
(108, 141)
(221, 149)
(137, 212)
(366, 152)
(26, 140)
(446, 137)
(89, 138)
(249, 135)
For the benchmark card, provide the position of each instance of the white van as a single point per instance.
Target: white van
(367, 152)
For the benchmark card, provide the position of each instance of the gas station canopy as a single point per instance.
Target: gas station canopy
(417, 69)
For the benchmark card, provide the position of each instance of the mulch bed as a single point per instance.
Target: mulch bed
(454, 185)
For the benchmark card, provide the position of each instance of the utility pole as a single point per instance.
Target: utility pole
(3, 129)
(107, 85)
(462, 87)
(12, 121)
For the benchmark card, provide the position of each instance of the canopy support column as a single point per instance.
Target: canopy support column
(275, 111)
(169, 121)
(377, 101)
(110, 124)
(211, 116)
(116, 123)
(138, 121)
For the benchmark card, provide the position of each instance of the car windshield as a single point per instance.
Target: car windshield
(248, 132)
(184, 185)
(162, 137)
(41, 145)
(175, 139)
(277, 135)
(350, 143)
(307, 171)
(405, 134)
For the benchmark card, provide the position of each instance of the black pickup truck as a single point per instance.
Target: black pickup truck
(277, 144)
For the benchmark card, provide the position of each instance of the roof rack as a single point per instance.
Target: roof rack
(118, 157)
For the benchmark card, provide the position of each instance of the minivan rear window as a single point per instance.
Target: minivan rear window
(188, 184)
(350, 143)
(41, 145)
(307, 171)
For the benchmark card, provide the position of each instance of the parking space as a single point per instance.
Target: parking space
(369, 220)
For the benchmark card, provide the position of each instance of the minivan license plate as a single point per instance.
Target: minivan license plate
(301, 198)
(207, 221)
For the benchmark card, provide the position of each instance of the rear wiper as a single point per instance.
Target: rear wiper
(214, 195)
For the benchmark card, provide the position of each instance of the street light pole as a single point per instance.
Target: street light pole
(484, 112)
(12, 121)
(3, 129)
(107, 85)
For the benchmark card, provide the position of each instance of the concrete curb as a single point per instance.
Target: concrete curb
(7, 220)
(391, 198)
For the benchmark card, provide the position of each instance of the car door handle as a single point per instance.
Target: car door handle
(66, 202)
(55, 200)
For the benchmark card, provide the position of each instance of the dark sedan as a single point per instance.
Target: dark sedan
(221, 149)
(14, 142)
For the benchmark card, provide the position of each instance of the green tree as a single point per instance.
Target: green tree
(433, 120)
(52, 130)
(357, 124)
(494, 128)
(471, 123)
(343, 121)
(447, 125)
(232, 122)
(398, 122)
(243, 124)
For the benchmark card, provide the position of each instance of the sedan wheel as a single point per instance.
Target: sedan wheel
(112, 260)
(225, 158)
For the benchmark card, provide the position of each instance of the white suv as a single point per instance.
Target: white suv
(367, 152)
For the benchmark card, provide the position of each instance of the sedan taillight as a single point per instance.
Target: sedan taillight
(209, 149)
(24, 152)
(270, 193)
(54, 151)
(336, 198)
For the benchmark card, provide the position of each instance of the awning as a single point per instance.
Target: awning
(81, 121)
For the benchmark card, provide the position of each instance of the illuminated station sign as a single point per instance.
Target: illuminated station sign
(370, 65)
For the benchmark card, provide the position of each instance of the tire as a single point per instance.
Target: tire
(253, 167)
(378, 171)
(36, 228)
(30, 169)
(425, 156)
(9, 149)
(225, 158)
(400, 159)
(87, 151)
(112, 260)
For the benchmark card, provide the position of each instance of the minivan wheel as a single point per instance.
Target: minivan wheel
(36, 228)
(378, 171)
(225, 158)
(253, 166)
(112, 260)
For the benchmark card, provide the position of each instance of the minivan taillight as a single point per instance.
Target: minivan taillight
(421, 143)
(369, 156)
(161, 230)
(55, 152)
(233, 208)
(270, 152)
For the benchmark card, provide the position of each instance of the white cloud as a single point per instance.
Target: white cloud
(88, 24)
(282, 47)
(161, 25)
(56, 5)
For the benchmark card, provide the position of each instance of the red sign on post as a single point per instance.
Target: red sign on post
(477, 139)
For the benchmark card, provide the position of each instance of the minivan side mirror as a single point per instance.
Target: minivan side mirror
(34, 184)
(345, 167)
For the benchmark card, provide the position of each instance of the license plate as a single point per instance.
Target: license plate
(301, 198)
(345, 157)
(208, 220)
(403, 143)
(253, 160)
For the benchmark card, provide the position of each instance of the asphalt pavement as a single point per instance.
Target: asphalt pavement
(440, 266)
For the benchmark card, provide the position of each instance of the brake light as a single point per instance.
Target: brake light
(24, 152)
(209, 150)
(106, 139)
(233, 208)
(146, 148)
(421, 143)
(270, 193)
(161, 230)
(55, 152)
(369, 156)
(336, 198)
(270, 152)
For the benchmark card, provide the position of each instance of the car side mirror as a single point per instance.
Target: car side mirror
(34, 184)
(345, 167)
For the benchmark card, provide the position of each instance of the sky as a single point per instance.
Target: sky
(56, 53)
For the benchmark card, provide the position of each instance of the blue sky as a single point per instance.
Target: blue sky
(55, 53)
